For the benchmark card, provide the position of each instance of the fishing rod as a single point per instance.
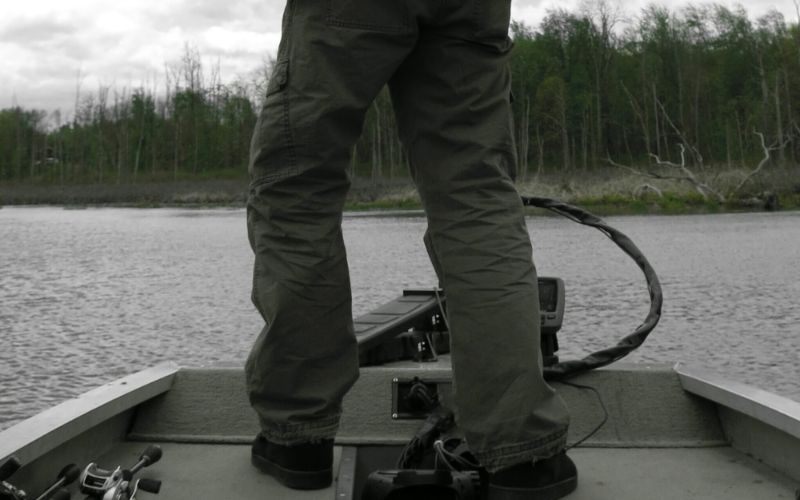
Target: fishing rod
(55, 491)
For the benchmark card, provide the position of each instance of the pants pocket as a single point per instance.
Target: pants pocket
(272, 150)
(492, 18)
(385, 16)
(279, 77)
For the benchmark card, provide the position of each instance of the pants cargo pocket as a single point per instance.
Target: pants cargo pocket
(272, 152)
(385, 16)
(492, 18)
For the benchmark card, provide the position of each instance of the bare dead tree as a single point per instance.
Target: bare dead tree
(684, 175)
(776, 146)
(698, 158)
(687, 175)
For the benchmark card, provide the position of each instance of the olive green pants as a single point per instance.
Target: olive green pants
(446, 65)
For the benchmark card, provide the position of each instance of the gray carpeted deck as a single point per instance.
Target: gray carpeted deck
(212, 472)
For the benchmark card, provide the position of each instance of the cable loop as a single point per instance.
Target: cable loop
(629, 343)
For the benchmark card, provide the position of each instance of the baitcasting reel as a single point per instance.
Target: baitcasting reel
(56, 491)
(118, 484)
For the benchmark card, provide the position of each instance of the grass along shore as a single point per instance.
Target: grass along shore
(607, 192)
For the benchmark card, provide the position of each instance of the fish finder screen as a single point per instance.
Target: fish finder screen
(548, 296)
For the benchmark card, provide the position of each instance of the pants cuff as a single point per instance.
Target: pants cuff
(295, 433)
(517, 453)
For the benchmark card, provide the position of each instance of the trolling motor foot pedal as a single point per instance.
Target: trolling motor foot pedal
(421, 484)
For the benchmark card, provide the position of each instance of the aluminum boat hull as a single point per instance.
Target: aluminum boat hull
(673, 432)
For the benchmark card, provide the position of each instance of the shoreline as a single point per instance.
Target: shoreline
(401, 211)
(603, 195)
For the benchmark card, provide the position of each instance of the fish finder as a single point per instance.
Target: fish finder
(551, 303)
(551, 313)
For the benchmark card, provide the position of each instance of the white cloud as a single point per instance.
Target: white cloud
(532, 12)
(227, 40)
(45, 43)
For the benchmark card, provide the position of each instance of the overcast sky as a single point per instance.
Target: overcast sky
(46, 44)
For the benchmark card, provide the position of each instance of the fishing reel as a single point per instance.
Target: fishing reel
(56, 491)
(119, 484)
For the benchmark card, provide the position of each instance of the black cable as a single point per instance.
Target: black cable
(436, 291)
(439, 420)
(630, 342)
(602, 405)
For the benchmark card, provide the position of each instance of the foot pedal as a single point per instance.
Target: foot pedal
(414, 484)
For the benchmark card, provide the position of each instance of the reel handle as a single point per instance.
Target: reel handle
(69, 474)
(149, 485)
(149, 456)
(152, 454)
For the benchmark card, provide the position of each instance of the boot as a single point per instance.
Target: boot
(305, 466)
(546, 479)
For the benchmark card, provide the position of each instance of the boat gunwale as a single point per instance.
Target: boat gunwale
(40, 434)
(769, 408)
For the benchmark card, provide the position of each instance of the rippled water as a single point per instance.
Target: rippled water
(89, 295)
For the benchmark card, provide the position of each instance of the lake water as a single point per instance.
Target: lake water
(90, 295)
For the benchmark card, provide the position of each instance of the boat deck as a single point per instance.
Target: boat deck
(194, 471)
(671, 434)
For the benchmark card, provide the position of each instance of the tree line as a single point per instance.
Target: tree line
(197, 126)
(706, 80)
(705, 85)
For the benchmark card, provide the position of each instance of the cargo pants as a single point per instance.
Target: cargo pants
(445, 62)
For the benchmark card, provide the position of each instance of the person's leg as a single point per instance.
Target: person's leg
(452, 101)
(334, 58)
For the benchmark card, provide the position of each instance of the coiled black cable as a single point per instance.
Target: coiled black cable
(566, 369)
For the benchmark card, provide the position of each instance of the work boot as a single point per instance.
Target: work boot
(546, 479)
(304, 466)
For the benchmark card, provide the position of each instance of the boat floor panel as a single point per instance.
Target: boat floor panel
(202, 471)
(209, 472)
(675, 473)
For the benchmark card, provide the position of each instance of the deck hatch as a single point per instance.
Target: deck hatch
(414, 398)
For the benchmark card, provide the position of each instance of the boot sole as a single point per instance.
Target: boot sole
(550, 492)
(298, 480)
